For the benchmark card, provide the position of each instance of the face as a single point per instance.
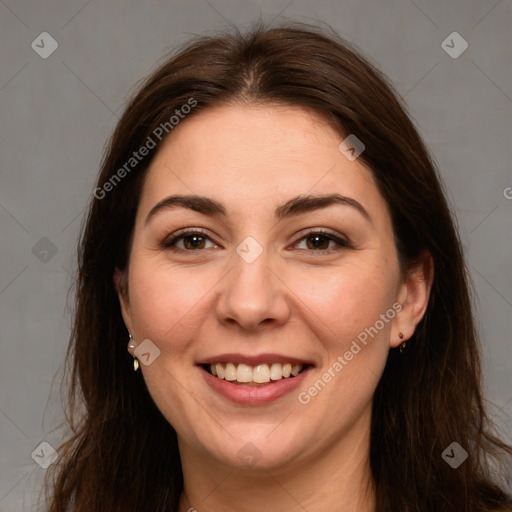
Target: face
(245, 281)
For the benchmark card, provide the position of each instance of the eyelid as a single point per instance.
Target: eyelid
(177, 235)
(338, 238)
(341, 240)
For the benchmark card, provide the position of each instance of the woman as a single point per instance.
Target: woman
(270, 249)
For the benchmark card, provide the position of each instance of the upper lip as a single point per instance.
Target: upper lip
(255, 359)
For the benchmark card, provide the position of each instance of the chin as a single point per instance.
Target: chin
(260, 449)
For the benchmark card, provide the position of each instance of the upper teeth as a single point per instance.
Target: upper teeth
(261, 373)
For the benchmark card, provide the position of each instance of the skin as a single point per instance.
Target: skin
(293, 299)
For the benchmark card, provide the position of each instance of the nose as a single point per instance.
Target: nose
(252, 295)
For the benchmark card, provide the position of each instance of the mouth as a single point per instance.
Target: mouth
(254, 380)
(255, 375)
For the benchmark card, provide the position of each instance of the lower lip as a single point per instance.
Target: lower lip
(254, 395)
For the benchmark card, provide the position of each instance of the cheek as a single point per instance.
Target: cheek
(351, 316)
(346, 301)
(166, 302)
(167, 305)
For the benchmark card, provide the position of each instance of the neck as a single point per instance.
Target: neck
(338, 478)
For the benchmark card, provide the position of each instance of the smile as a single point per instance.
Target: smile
(254, 375)
(254, 383)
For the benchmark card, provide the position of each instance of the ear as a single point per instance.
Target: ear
(413, 295)
(120, 279)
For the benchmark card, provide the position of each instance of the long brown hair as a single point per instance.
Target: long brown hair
(122, 454)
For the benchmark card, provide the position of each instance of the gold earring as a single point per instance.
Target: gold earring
(402, 346)
(135, 360)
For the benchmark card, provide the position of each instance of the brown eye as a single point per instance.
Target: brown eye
(319, 241)
(189, 240)
(193, 241)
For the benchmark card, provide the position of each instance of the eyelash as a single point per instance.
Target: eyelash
(342, 243)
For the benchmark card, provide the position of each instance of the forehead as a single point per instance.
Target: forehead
(250, 155)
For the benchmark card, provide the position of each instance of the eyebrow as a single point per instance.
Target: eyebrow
(296, 206)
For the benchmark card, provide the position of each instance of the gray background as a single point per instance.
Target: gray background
(57, 113)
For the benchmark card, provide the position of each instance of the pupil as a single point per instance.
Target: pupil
(194, 240)
(316, 239)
